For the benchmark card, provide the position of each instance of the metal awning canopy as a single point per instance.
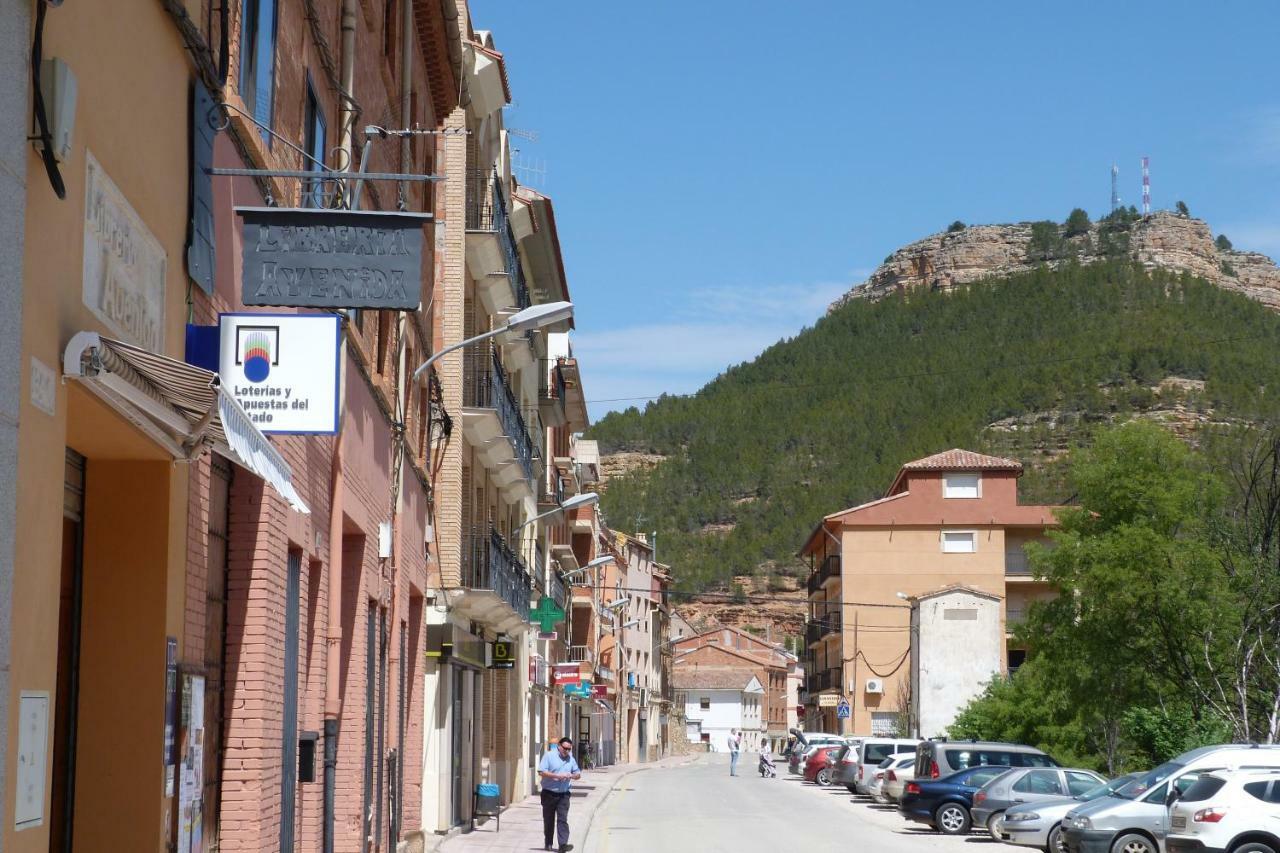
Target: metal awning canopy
(181, 407)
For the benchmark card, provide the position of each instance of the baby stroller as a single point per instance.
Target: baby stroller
(767, 770)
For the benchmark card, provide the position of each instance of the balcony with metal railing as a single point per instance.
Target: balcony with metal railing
(493, 424)
(556, 590)
(826, 570)
(551, 392)
(496, 581)
(491, 244)
(581, 654)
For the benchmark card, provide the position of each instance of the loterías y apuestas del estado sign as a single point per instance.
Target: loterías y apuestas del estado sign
(305, 258)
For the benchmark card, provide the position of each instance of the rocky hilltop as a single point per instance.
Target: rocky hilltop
(1163, 239)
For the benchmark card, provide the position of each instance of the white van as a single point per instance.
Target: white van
(1135, 818)
(871, 752)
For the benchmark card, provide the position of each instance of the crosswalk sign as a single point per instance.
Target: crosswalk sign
(843, 711)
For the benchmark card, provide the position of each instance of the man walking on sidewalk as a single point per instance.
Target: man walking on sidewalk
(558, 769)
(735, 746)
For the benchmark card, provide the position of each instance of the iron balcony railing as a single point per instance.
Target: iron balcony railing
(489, 563)
(486, 387)
(812, 633)
(580, 654)
(551, 384)
(828, 568)
(557, 591)
(488, 209)
(833, 678)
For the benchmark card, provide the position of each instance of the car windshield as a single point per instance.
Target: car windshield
(1107, 787)
(1136, 787)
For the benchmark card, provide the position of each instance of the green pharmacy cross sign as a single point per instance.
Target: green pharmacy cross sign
(547, 613)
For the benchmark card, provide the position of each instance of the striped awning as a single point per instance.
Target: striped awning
(181, 407)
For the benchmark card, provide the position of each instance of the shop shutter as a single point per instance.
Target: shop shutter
(200, 240)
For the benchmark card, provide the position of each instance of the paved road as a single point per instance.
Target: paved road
(700, 807)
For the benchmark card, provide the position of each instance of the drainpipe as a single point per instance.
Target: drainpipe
(333, 669)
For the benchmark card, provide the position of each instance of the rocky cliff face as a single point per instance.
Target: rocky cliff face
(946, 260)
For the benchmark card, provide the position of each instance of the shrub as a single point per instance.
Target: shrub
(1077, 223)
(1223, 244)
(956, 226)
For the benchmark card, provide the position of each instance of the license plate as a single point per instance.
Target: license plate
(1179, 822)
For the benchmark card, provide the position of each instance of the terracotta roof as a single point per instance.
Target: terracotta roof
(956, 459)
(709, 678)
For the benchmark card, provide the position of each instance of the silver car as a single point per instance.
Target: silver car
(1041, 825)
(1028, 785)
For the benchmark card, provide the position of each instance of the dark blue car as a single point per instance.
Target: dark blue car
(944, 803)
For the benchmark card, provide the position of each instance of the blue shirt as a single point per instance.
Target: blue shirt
(553, 763)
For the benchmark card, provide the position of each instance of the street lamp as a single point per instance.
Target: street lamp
(632, 623)
(596, 563)
(584, 499)
(533, 317)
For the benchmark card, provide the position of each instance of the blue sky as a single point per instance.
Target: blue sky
(722, 170)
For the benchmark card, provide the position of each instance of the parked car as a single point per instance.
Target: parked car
(845, 768)
(938, 758)
(817, 768)
(1230, 812)
(1040, 825)
(871, 752)
(881, 774)
(1028, 785)
(944, 803)
(1135, 819)
(798, 757)
(896, 779)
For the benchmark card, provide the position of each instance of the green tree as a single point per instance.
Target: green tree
(1223, 244)
(956, 226)
(1077, 223)
(1045, 243)
(1181, 208)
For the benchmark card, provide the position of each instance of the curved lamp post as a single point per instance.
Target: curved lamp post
(533, 317)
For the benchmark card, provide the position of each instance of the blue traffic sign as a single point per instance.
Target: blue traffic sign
(843, 711)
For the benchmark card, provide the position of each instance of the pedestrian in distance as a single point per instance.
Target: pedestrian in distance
(735, 746)
(557, 770)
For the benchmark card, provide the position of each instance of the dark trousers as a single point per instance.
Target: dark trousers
(555, 815)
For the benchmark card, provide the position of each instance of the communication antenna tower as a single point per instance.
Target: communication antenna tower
(1115, 188)
(1146, 186)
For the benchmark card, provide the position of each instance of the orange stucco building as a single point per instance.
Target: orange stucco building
(948, 519)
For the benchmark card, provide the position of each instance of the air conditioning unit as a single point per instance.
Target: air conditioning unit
(875, 685)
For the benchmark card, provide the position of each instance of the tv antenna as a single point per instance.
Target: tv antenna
(1115, 187)
(1146, 186)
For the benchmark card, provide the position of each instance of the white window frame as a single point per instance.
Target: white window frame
(973, 538)
(957, 491)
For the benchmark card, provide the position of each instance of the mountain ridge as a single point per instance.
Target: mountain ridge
(1162, 240)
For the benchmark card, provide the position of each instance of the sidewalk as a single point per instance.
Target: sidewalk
(522, 821)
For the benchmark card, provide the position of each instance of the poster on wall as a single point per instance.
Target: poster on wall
(191, 767)
(283, 369)
(170, 711)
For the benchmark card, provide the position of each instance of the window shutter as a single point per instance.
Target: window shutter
(200, 238)
(265, 75)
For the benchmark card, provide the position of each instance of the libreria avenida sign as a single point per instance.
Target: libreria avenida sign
(304, 258)
(282, 369)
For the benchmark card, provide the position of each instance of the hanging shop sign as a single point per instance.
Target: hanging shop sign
(581, 690)
(599, 691)
(282, 369)
(566, 673)
(309, 258)
(828, 700)
(502, 654)
(547, 613)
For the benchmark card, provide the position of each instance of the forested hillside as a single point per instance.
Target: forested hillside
(823, 421)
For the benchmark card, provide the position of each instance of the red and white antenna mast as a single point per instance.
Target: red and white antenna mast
(1146, 186)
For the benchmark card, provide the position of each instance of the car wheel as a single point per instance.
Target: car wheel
(1132, 842)
(852, 790)
(1254, 847)
(953, 819)
(993, 825)
(824, 777)
(1057, 841)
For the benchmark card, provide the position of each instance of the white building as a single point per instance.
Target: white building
(957, 642)
(716, 701)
